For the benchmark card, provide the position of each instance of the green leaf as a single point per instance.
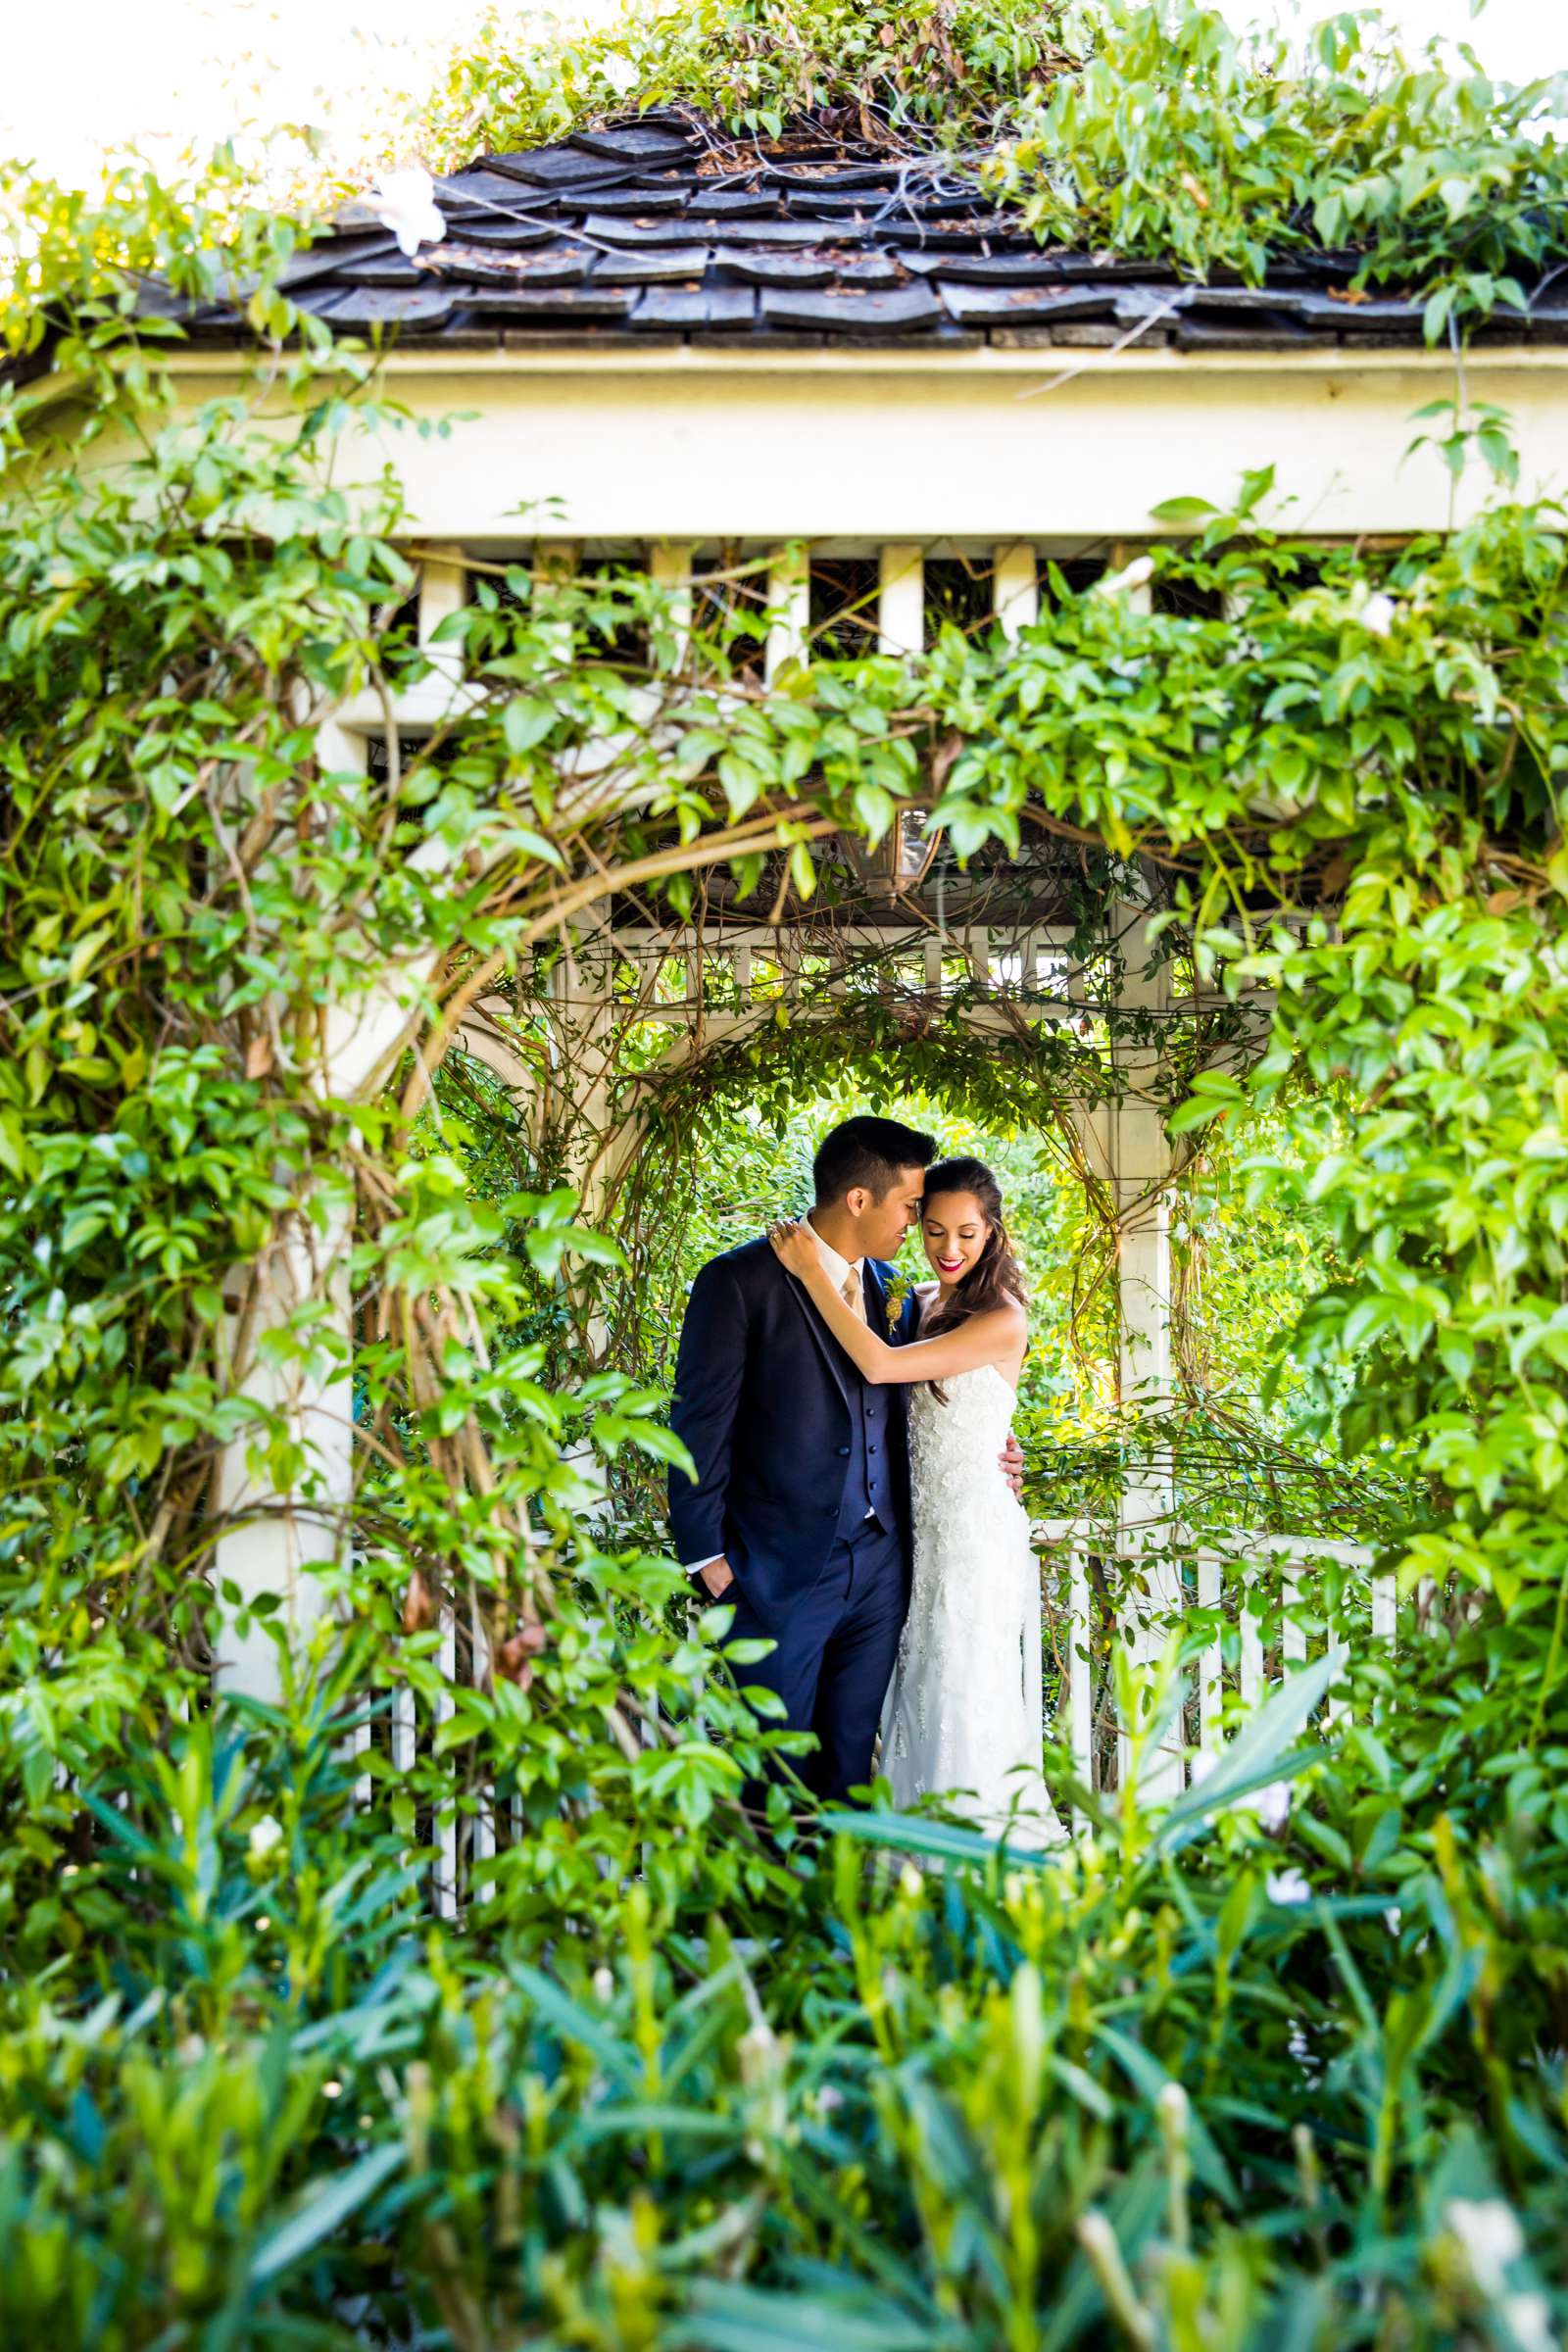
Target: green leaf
(526, 722)
(558, 2010)
(1182, 510)
(1143, 2070)
(1259, 1751)
(747, 2318)
(943, 1840)
(325, 2206)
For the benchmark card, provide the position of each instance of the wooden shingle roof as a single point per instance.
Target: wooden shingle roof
(662, 229)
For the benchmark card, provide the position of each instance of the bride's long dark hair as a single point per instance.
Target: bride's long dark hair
(996, 1279)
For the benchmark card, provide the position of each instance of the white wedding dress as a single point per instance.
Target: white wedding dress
(963, 1708)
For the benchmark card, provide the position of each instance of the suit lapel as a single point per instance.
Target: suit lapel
(832, 1353)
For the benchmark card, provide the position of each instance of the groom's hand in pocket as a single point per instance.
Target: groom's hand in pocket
(1011, 1460)
(717, 1576)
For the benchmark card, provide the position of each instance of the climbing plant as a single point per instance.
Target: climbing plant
(1181, 139)
(1378, 734)
(882, 71)
(1156, 129)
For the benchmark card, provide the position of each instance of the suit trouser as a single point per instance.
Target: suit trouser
(835, 1653)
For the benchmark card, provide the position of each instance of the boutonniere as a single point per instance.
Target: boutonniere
(896, 1298)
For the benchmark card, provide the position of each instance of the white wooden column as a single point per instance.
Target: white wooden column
(443, 591)
(901, 598)
(1094, 1121)
(555, 560)
(1141, 1165)
(582, 994)
(275, 1538)
(282, 1534)
(483, 1035)
(789, 597)
(1142, 1173)
(582, 990)
(1141, 600)
(1015, 586)
(584, 1001)
(279, 1540)
(670, 567)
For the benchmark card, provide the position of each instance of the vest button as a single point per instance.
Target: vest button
(844, 1451)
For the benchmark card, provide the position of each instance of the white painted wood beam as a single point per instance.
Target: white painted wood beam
(718, 446)
(276, 1542)
(555, 359)
(872, 938)
(1015, 585)
(670, 567)
(901, 598)
(789, 597)
(1141, 1164)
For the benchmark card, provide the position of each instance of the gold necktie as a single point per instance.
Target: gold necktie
(854, 1293)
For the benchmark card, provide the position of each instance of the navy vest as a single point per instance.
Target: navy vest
(866, 1471)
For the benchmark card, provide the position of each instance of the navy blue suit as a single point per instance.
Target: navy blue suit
(803, 1482)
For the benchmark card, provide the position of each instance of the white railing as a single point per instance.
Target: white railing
(1262, 1587)
(1275, 1597)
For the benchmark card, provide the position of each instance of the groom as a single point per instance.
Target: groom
(799, 1514)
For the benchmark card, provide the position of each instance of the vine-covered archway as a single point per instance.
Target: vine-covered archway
(693, 1047)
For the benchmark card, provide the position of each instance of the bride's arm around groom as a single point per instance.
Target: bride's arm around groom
(997, 1336)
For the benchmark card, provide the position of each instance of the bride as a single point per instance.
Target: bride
(963, 1709)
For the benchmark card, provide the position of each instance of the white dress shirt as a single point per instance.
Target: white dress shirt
(839, 1270)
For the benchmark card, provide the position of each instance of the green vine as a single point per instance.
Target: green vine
(1152, 130)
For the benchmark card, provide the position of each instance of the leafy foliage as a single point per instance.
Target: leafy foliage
(877, 70)
(1210, 2081)
(1179, 139)
(1151, 129)
(1197, 2081)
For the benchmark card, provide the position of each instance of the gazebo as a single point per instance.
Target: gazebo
(731, 364)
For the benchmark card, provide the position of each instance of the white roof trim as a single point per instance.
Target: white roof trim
(665, 358)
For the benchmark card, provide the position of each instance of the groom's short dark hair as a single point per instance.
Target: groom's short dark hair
(869, 1152)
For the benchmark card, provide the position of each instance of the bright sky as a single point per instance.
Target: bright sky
(84, 75)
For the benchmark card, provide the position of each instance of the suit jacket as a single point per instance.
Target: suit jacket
(763, 1404)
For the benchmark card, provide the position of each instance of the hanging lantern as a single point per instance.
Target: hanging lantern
(900, 861)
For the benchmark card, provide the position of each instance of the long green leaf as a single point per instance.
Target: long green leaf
(326, 2205)
(1143, 2070)
(1170, 1841)
(744, 2319)
(943, 1840)
(1254, 1756)
(124, 1832)
(557, 2008)
(607, 2122)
